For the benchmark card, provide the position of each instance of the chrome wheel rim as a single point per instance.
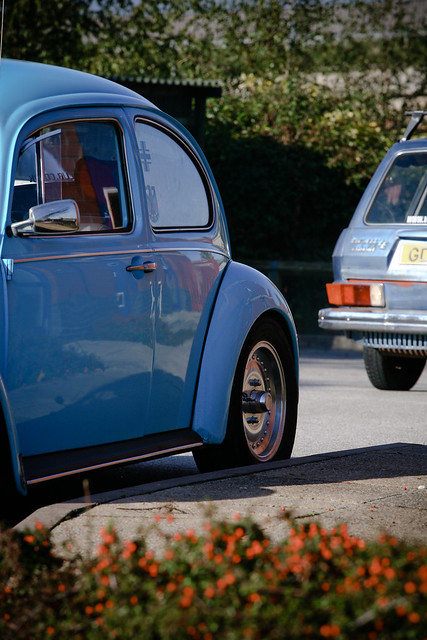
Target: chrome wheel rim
(263, 401)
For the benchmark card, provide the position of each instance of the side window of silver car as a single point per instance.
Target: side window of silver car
(176, 192)
(78, 161)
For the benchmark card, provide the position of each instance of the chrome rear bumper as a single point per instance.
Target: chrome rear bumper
(366, 320)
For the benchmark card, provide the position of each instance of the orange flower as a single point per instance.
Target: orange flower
(414, 617)
(102, 550)
(210, 592)
(129, 548)
(185, 602)
(389, 573)
(107, 536)
(30, 539)
(133, 600)
(50, 631)
(254, 597)
(208, 548)
(410, 587)
(375, 567)
(330, 630)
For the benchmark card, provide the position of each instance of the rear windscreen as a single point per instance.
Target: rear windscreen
(401, 197)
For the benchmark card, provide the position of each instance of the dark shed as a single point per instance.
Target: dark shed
(185, 100)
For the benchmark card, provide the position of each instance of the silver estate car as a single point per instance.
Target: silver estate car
(379, 291)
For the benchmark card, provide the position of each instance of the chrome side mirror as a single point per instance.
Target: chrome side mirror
(59, 216)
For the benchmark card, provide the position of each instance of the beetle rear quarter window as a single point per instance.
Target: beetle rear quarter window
(78, 160)
(402, 196)
(175, 190)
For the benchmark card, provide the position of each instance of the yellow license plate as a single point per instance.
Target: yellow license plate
(414, 254)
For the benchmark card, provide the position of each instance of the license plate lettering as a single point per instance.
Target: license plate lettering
(414, 254)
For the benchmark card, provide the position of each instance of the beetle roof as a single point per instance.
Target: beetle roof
(27, 88)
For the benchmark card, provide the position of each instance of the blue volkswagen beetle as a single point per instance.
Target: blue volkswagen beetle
(127, 331)
(380, 268)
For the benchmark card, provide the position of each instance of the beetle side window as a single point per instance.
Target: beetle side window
(402, 195)
(79, 160)
(174, 187)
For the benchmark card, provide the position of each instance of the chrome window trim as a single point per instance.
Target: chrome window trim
(210, 196)
(126, 178)
(94, 254)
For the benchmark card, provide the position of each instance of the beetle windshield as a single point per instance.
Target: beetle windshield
(402, 196)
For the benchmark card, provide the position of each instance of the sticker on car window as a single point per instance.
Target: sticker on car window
(416, 219)
(145, 155)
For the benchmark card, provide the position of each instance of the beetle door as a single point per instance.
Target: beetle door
(80, 343)
(190, 259)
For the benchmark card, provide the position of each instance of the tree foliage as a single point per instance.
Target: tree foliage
(313, 92)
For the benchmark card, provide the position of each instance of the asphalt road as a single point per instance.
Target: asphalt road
(339, 410)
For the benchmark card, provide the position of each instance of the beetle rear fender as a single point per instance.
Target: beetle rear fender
(11, 469)
(245, 295)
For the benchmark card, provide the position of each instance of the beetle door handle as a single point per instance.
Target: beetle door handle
(147, 267)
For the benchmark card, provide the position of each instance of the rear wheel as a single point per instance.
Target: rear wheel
(392, 373)
(263, 407)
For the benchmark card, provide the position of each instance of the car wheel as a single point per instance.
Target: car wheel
(263, 407)
(392, 373)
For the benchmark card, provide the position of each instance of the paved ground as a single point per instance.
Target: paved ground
(374, 490)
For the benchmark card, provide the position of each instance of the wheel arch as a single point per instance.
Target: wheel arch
(11, 469)
(245, 298)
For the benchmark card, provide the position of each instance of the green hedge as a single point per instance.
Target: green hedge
(292, 160)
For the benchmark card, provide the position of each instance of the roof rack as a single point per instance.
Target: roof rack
(416, 118)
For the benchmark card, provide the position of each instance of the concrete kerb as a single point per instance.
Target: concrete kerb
(372, 490)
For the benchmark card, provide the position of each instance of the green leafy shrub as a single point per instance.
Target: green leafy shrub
(229, 583)
(292, 159)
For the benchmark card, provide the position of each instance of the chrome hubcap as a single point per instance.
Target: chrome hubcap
(263, 401)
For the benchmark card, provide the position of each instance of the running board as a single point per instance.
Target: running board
(50, 466)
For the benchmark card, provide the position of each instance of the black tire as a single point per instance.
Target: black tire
(392, 373)
(263, 407)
